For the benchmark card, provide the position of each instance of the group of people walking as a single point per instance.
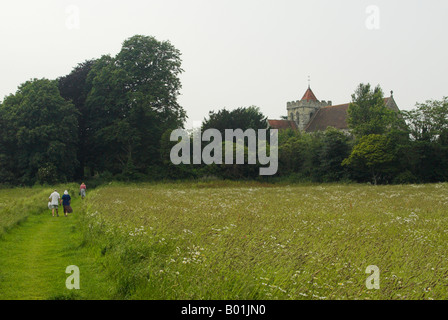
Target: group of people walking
(55, 200)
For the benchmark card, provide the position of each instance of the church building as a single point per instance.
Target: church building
(309, 114)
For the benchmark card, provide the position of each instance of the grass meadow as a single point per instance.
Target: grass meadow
(36, 248)
(17, 204)
(223, 240)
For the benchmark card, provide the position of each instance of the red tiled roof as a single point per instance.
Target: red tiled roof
(309, 95)
(282, 124)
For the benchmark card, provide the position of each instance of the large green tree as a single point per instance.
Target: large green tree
(291, 155)
(368, 113)
(241, 118)
(427, 150)
(7, 149)
(373, 153)
(39, 134)
(336, 146)
(74, 87)
(132, 102)
(428, 120)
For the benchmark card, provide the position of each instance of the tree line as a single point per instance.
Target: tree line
(111, 118)
(383, 146)
(106, 117)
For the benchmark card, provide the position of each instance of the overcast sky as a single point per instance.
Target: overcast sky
(245, 52)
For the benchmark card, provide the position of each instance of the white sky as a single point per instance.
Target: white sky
(238, 53)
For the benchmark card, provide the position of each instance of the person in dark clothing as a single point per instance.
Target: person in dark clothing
(66, 199)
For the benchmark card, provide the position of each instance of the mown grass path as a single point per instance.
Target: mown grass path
(34, 257)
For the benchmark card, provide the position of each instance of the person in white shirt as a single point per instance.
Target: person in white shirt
(55, 200)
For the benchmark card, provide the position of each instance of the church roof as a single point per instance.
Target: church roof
(309, 95)
(282, 124)
(331, 116)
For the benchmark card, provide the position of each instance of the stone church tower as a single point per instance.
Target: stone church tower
(302, 111)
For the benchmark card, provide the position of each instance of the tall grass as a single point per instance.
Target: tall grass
(17, 204)
(224, 240)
